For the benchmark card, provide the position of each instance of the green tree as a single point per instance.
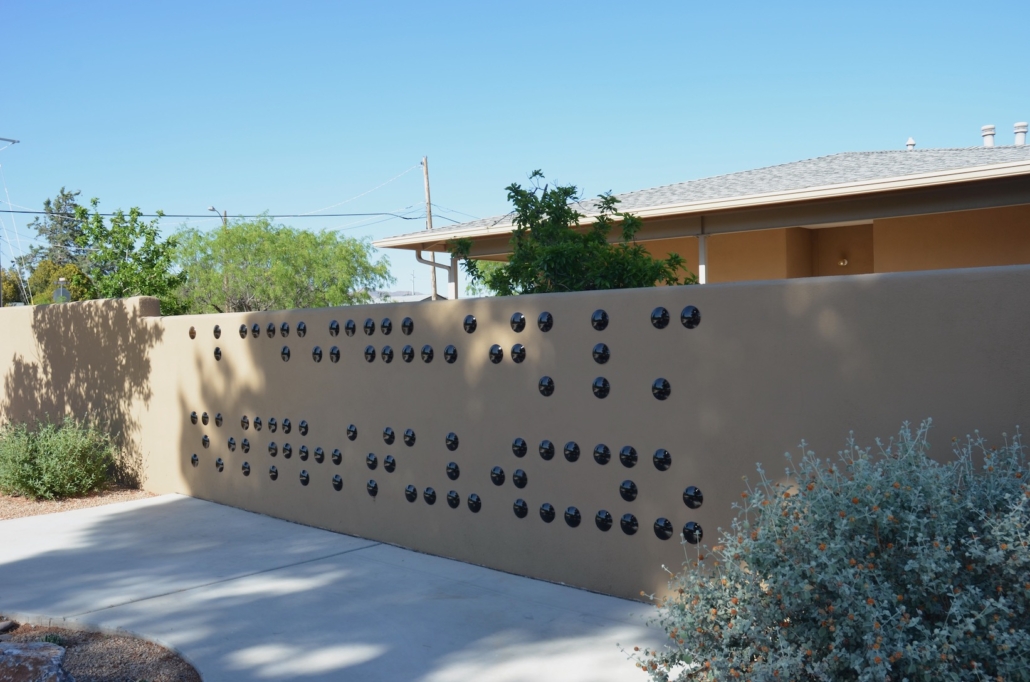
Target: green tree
(257, 265)
(43, 282)
(128, 258)
(12, 287)
(551, 252)
(60, 227)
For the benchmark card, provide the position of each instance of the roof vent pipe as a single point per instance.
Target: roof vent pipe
(988, 133)
(1020, 134)
(911, 144)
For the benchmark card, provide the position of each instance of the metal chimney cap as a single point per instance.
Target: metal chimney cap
(911, 144)
(988, 135)
(1021, 127)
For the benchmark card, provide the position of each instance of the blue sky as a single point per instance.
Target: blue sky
(291, 107)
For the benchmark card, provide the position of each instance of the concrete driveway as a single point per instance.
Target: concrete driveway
(248, 597)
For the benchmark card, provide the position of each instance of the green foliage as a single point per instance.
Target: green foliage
(54, 461)
(480, 287)
(551, 253)
(61, 227)
(256, 265)
(43, 282)
(128, 258)
(863, 567)
(12, 287)
(52, 638)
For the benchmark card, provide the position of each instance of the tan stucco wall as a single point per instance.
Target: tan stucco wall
(744, 256)
(770, 364)
(964, 239)
(684, 246)
(853, 243)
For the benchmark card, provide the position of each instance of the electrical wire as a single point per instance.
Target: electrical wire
(204, 215)
(347, 201)
(454, 210)
(24, 286)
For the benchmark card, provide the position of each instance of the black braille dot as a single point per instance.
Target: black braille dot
(572, 517)
(337, 482)
(303, 427)
(518, 322)
(349, 328)
(218, 419)
(271, 424)
(601, 387)
(660, 320)
(629, 524)
(194, 460)
(370, 353)
(245, 423)
(692, 497)
(352, 432)
(519, 447)
(453, 499)
(193, 417)
(407, 326)
(599, 320)
(546, 449)
(287, 451)
(409, 437)
(545, 322)
(218, 332)
(303, 453)
(693, 533)
(270, 330)
(245, 468)
(273, 473)
(571, 451)
(386, 326)
(520, 508)
(372, 487)
(193, 332)
(408, 354)
(389, 463)
(273, 449)
(319, 455)
(662, 459)
(243, 331)
(663, 528)
(497, 475)
(411, 493)
(334, 328)
(519, 478)
(245, 445)
(302, 329)
(450, 354)
(337, 456)
(546, 386)
(205, 419)
(255, 330)
(371, 461)
(219, 464)
(257, 423)
(304, 477)
(547, 512)
(518, 353)
(370, 327)
(232, 445)
(475, 504)
(287, 426)
(690, 317)
(603, 520)
(316, 354)
(218, 353)
(205, 441)
(451, 441)
(429, 495)
(427, 353)
(661, 389)
(285, 353)
(628, 491)
(334, 354)
(601, 353)
(389, 436)
(284, 329)
(469, 324)
(496, 354)
(602, 455)
(453, 471)
(387, 354)
(628, 456)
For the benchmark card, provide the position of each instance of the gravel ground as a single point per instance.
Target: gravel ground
(93, 657)
(15, 507)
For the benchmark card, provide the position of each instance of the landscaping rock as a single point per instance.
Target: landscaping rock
(6, 625)
(32, 662)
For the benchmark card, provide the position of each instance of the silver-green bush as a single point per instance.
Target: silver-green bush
(885, 566)
(52, 461)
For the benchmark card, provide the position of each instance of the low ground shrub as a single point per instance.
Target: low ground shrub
(52, 461)
(881, 565)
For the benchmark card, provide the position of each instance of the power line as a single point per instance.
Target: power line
(347, 201)
(202, 215)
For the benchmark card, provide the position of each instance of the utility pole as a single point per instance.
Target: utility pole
(429, 220)
(224, 215)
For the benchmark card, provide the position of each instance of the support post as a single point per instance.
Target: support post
(429, 220)
(702, 258)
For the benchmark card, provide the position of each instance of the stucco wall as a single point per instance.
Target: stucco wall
(771, 363)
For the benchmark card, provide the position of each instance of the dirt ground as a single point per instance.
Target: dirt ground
(15, 507)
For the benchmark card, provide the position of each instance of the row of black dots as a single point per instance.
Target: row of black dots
(661, 389)
(545, 322)
(205, 419)
(369, 327)
(389, 463)
(662, 458)
(429, 495)
(450, 354)
(690, 318)
(287, 425)
(663, 529)
(273, 472)
(518, 353)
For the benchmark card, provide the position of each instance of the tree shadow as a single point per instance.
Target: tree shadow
(90, 361)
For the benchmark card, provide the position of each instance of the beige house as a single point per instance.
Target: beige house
(845, 214)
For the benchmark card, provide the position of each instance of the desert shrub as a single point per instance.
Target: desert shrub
(52, 461)
(866, 566)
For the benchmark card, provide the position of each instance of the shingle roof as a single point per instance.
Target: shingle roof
(842, 168)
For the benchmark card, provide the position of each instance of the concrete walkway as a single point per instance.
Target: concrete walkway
(248, 597)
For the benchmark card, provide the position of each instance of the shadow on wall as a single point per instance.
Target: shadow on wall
(91, 361)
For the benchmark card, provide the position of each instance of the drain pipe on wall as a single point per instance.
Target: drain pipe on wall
(702, 254)
(452, 271)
